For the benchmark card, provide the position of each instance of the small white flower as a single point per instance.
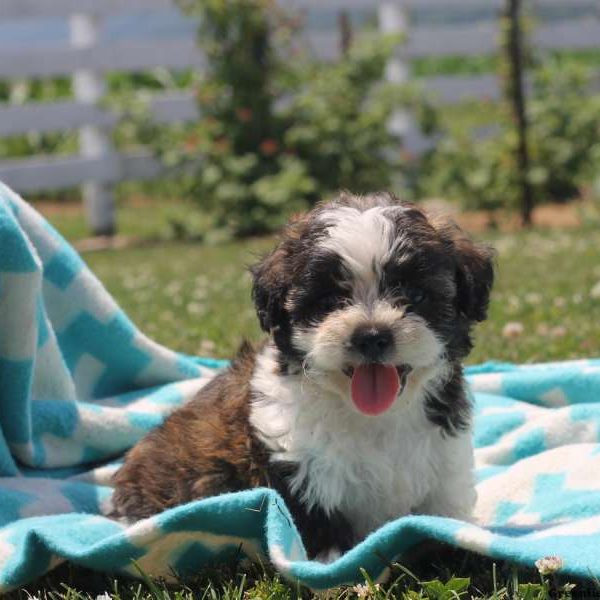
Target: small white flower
(543, 329)
(195, 308)
(559, 331)
(512, 329)
(560, 302)
(549, 565)
(207, 346)
(173, 288)
(533, 298)
(514, 301)
(361, 590)
(595, 292)
(105, 596)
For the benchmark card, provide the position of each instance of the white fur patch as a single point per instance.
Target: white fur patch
(327, 344)
(364, 241)
(373, 469)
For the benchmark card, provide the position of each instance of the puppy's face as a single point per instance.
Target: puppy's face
(370, 299)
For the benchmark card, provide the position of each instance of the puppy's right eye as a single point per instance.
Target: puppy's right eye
(415, 295)
(328, 302)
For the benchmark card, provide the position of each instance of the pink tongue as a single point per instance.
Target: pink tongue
(374, 388)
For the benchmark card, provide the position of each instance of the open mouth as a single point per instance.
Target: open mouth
(376, 386)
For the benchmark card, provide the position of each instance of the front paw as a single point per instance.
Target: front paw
(328, 556)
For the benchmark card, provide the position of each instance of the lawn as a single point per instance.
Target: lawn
(196, 299)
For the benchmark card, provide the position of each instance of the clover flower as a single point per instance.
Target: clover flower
(549, 565)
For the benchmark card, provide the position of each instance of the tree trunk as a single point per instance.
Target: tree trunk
(515, 54)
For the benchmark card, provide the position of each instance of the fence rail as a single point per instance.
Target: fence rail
(54, 8)
(85, 49)
(46, 117)
(479, 38)
(173, 107)
(123, 56)
(61, 8)
(50, 172)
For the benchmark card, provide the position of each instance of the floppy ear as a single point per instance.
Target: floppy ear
(269, 288)
(272, 276)
(474, 270)
(474, 276)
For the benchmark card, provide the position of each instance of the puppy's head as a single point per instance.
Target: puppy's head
(370, 298)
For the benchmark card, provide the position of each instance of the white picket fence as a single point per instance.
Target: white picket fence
(433, 28)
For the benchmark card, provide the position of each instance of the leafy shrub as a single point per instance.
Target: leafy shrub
(22, 91)
(277, 131)
(564, 144)
(233, 161)
(565, 122)
(338, 120)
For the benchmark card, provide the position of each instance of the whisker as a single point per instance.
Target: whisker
(308, 374)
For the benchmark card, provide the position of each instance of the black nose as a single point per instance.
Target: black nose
(372, 342)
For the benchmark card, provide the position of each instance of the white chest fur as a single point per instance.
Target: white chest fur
(373, 469)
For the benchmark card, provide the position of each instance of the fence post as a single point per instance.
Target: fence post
(392, 19)
(345, 31)
(94, 142)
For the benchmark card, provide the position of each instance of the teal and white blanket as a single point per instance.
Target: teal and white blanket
(79, 384)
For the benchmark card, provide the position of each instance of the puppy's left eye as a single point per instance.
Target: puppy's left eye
(328, 302)
(415, 295)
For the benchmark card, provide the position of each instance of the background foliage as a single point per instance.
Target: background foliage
(278, 131)
(564, 144)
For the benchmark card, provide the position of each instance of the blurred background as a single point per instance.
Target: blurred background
(169, 139)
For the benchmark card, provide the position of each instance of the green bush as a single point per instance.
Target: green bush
(233, 161)
(277, 130)
(21, 92)
(564, 143)
(338, 121)
(565, 123)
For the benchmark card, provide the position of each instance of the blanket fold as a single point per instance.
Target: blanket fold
(80, 384)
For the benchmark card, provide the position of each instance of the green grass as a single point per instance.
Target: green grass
(482, 64)
(545, 280)
(435, 579)
(186, 295)
(190, 296)
(150, 218)
(196, 299)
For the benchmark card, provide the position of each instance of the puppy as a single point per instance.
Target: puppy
(354, 409)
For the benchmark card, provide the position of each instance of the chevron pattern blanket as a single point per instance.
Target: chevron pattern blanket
(79, 384)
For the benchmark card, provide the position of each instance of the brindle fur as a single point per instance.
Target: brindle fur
(206, 448)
